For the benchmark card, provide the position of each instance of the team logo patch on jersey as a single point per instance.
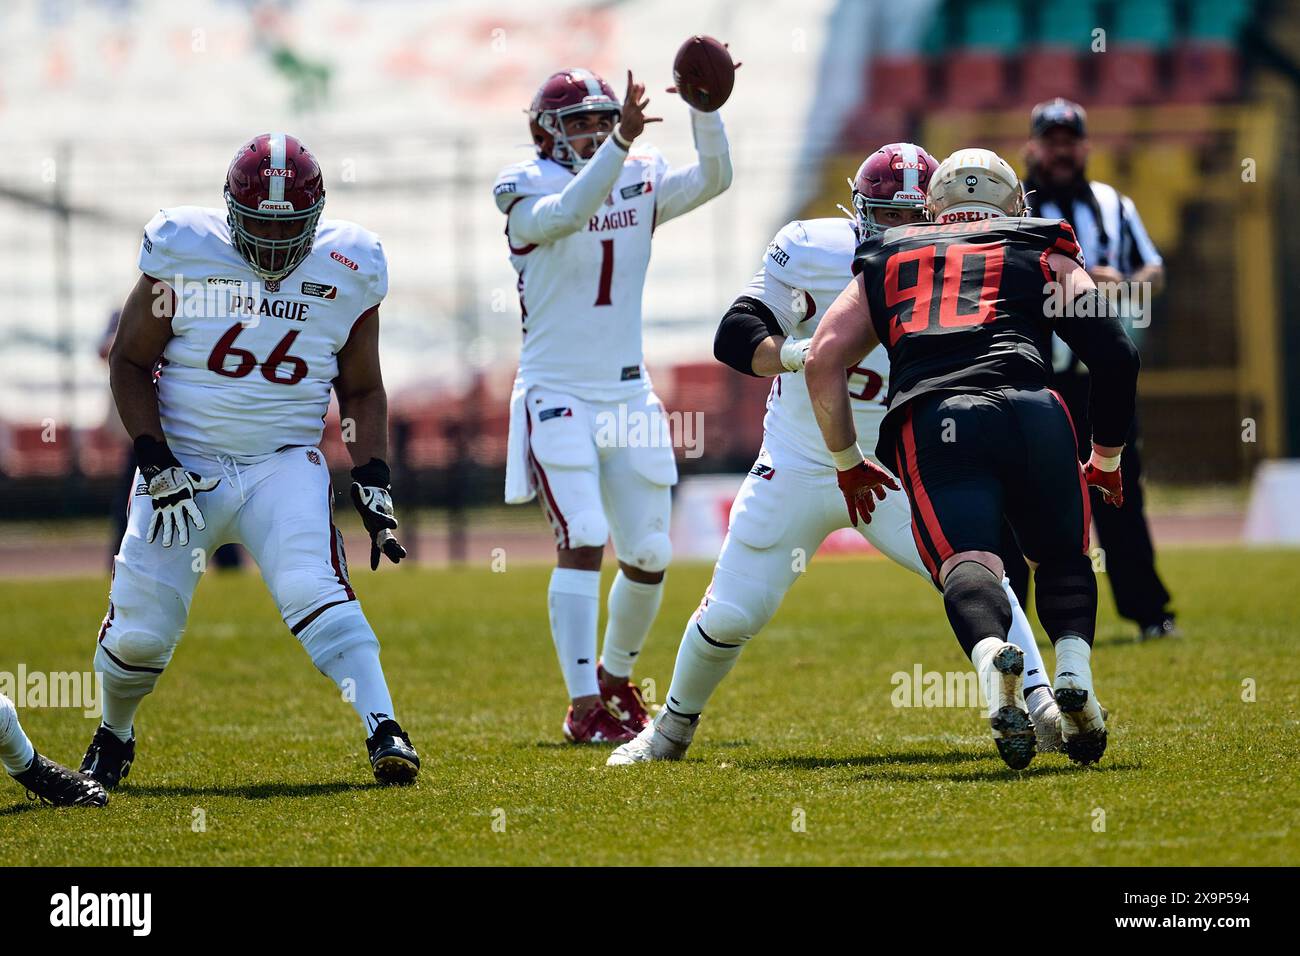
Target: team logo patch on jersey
(148, 243)
(313, 456)
(340, 257)
(547, 414)
(636, 189)
(630, 374)
(272, 285)
(763, 471)
(320, 290)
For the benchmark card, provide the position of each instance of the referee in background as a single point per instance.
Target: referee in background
(1117, 249)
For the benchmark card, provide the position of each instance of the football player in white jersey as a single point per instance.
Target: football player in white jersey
(44, 779)
(241, 322)
(790, 500)
(587, 433)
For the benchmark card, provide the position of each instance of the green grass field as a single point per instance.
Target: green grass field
(245, 730)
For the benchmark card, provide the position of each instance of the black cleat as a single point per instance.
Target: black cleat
(392, 757)
(1087, 742)
(1013, 731)
(107, 759)
(1162, 628)
(58, 786)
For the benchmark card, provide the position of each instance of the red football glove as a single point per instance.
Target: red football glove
(1110, 483)
(858, 484)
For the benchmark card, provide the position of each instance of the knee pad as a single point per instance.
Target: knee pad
(338, 629)
(297, 592)
(1065, 593)
(734, 610)
(588, 529)
(123, 679)
(976, 604)
(145, 622)
(654, 552)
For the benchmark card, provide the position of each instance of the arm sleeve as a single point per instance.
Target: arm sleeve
(684, 188)
(1097, 337)
(547, 218)
(747, 323)
(786, 304)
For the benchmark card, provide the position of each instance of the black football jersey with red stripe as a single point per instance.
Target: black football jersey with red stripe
(962, 306)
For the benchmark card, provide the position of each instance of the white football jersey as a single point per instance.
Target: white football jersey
(251, 364)
(806, 266)
(580, 295)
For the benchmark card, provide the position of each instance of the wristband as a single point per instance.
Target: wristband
(152, 455)
(792, 353)
(1105, 464)
(373, 473)
(847, 458)
(624, 144)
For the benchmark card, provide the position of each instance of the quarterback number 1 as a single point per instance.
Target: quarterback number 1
(606, 272)
(248, 361)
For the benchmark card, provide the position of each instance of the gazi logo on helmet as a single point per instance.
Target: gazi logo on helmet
(274, 194)
(572, 113)
(889, 188)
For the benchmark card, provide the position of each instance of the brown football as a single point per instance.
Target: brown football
(704, 73)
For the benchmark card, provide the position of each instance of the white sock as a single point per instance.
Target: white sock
(574, 603)
(123, 692)
(699, 670)
(344, 648)
(1022, 636)
(16, 751)
(1074, 656)
(632, 609)
(368, 689)
(981, 655)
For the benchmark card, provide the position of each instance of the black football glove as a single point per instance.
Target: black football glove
(173, 490)
(374, 502)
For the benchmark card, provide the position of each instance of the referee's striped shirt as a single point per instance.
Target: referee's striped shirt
(1119, 241)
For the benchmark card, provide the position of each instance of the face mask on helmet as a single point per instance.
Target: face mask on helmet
(563, 150)
(894, 212)
(275, 237)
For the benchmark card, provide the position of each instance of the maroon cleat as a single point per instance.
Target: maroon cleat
(598, 727)
(625, 703)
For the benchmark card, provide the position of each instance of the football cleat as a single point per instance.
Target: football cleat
(392, 757)
(666, 738)
(1164, 628)
(1046, 717)
(1083, 724)
(1013, 732)
(624, 702)
(598, 727)
(55, 784)
(108, 760)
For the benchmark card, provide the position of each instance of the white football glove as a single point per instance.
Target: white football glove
(794, 352)
(174, 506)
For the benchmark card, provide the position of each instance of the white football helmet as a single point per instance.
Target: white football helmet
(974, 184)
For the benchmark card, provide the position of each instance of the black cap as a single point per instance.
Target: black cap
(1058, 112)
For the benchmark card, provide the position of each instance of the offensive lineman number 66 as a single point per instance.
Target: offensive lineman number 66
(248, 361)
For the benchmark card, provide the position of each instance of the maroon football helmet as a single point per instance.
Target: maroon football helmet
(564, 94)
(895, 176)
(275, 194)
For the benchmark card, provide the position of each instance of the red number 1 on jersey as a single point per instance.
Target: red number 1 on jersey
(606, 272)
